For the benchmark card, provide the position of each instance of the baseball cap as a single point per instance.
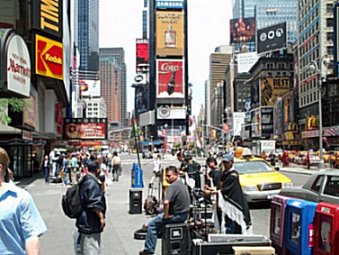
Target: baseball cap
(227, 158)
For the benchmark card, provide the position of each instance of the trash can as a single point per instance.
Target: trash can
(135, 201)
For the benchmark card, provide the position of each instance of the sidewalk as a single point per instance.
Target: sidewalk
(301, 169)
(117, 237)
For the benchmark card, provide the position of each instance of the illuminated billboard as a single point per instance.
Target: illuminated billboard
(271, 38)
(90, 88)
(170, 33)
(242, 30)
(85, 128)
(48, 57)
(271, 88)
(142, 55)
(170, 79)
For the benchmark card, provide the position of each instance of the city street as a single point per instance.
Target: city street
(120, 226)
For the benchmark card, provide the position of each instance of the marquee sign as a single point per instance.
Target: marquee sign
(85, 128)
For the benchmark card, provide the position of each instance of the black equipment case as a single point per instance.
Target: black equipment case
(221, 244)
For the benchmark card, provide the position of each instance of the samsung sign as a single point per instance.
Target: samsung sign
(271, 38)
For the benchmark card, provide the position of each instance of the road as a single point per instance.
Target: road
(118, 234)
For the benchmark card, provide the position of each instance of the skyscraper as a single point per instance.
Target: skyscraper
(115, 80)
(88, 34)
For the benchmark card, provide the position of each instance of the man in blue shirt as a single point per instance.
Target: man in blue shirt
(20, 221)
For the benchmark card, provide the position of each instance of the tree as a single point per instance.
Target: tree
(15, 104)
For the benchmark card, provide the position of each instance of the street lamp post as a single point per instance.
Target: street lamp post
(318, 70)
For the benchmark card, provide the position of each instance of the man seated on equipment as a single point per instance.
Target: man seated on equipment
(176, 209)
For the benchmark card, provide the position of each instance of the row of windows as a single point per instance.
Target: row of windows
(309, 99)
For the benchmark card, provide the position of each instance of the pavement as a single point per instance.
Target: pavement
(117, 237)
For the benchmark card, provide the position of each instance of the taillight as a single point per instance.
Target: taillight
(310, 236)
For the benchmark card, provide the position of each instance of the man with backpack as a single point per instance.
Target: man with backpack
(91, 222)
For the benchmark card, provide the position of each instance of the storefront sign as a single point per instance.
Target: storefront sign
(48, 57)
(17, 64)
(79, 128)
(47, 16)
(27, 135)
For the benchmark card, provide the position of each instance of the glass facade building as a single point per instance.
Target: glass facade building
(88, 35)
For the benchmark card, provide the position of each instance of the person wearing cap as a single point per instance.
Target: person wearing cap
(235, 213)
(91, 223)
(20, 221)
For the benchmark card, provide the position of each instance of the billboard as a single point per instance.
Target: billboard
(246, 61)
(48, 57)
(85, 128)
(271, 38)
(142, 55)
(170, 33)
(141, 98)
(169, 4)
(90, 88)
(47, 16)
(170, 79)
(242, 30)
(271, 88)
(267, 121)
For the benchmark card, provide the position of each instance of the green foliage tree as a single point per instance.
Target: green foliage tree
(15, 104)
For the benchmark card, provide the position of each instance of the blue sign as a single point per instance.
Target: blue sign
(169, 4)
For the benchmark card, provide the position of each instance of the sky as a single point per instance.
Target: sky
(120, 23)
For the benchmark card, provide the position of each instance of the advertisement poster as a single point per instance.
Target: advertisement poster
(271, 88)
(90, 88)
(142, 55)
(271, 38)
(267, 121)
(91, 128)
(170, 80)
(242, 30)
(141, 99)
(169, 33)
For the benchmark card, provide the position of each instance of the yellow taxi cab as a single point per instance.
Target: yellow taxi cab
(259, 180)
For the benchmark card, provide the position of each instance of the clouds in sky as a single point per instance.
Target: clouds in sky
(208, 27)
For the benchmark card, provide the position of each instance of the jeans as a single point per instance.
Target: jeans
(115, 172)
(231, 227)
(156, 224)
(46, 173)
(90, 244)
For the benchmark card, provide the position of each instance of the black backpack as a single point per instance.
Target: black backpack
(71, 202)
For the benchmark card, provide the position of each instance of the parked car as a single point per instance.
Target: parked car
(322, 186)
(259, 180)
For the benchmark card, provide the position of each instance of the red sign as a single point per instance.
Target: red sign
(85, 131)
(170, 76)
(142, 55)
(49, 57)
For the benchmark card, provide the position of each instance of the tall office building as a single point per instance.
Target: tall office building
(88, 34)
(244, 8)
(277, 11)
(110, 57)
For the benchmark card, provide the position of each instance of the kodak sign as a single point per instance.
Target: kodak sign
(48, 57)
(47, 16)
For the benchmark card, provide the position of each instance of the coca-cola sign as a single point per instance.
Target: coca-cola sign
(170, 79)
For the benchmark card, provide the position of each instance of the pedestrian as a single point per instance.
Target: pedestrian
(214, 175)
(176, 209)
(91, 223)
(116, 164)
(20, 221)
(157, 165)
(45, 166)
(235, 216)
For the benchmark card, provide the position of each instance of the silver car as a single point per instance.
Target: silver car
(320, 187)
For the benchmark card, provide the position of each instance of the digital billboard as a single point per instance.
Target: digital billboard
(242, 30)
(85, 128)
(267, 121)
(271, 88)
(170, 82)
(141, 98)
(169, 33)
(90, 88)
(48, 57)
(271, 38)
(142, 55)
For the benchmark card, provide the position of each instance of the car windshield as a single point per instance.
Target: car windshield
(248, 167)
